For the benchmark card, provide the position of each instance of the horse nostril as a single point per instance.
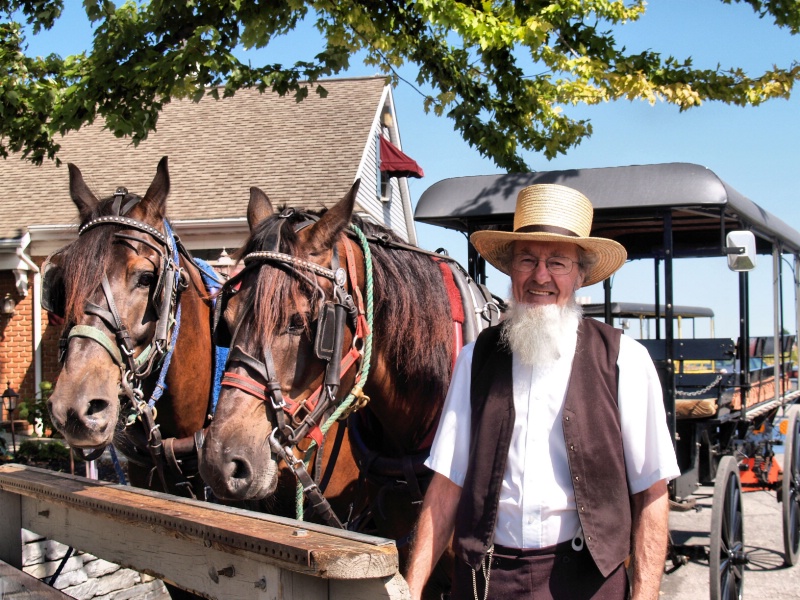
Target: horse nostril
(96, 406)
(241, 469)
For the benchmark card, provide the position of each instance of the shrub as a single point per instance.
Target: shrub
(34, 451)
(36, 408)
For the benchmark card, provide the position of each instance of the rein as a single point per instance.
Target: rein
(290, 429)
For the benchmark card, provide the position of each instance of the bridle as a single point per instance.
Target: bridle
(172, 280)
(305, 419)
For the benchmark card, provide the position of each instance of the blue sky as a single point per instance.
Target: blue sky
(752, 149)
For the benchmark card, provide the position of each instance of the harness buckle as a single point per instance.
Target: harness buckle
(278, 403)
(300, 411)
(360, 400)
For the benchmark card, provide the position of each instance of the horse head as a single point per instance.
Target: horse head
(111, 286)
(290, 320)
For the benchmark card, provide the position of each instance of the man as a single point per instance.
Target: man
(552, 455)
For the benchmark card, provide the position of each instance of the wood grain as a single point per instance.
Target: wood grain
(211, 550)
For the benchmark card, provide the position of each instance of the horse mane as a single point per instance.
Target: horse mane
(407, 286)
(85, 260)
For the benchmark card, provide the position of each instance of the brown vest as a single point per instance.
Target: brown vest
(591, 426)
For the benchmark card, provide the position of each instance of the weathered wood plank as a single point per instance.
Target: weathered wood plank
(152, 519)
(394, 587)
(21, 586)
(10, 526)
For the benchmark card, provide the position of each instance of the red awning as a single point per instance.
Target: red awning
(397, 164)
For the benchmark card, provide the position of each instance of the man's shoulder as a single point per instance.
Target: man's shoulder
(489, 338)
(602, 328)
(491, 332)
(489, 348)
(632, 352)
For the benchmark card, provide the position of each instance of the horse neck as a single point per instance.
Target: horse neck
(406, 423)
(184, 405)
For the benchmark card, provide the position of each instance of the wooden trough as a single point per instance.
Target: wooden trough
(214, 551)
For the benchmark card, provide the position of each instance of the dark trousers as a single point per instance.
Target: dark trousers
(554, 573)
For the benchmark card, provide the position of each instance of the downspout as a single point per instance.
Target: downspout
(36, 315)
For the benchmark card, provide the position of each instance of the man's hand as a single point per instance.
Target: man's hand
(434, 531)
(650, 534)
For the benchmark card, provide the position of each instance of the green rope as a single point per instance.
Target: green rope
(365, 365)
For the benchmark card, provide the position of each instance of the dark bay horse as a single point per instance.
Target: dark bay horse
(136, 348)
(294, 321)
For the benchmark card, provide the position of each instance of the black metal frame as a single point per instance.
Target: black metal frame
(690, 210)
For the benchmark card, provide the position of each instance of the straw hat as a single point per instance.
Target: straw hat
(551, 213)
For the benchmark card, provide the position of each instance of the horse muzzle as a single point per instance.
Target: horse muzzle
(237, 472)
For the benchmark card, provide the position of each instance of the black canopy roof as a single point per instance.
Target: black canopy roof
(634, 310)
(630, 204)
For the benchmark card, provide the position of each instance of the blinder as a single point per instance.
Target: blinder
(221, 331)
(54, 293)
(325, 342)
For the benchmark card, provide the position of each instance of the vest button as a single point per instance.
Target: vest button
(583, 509)
(577, 478)
(589, 538)
(572, 447)
(567, 418)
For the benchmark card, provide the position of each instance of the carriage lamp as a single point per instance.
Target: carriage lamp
(10, 398)
(8, 306)
(224, 263)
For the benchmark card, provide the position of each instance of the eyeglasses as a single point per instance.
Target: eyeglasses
(556, 265)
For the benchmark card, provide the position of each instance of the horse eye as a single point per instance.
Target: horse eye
(297, 324)
(146, 279)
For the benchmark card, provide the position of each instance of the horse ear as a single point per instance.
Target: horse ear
(82, 196)
(259, 207)
(323, 235)
(155, 200)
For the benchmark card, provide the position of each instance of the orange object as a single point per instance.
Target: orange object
(751, 482)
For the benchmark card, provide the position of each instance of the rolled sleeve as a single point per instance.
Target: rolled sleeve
(649, 452)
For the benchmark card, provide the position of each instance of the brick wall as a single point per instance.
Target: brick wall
(17, 344)
(16, 340)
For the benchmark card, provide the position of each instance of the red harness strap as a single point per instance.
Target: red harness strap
(362, 327)
(456, 307)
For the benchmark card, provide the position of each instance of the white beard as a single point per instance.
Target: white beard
(535, 332)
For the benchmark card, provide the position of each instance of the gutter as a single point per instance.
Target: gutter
(36, 309)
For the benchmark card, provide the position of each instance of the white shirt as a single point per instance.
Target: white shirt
(537, 502)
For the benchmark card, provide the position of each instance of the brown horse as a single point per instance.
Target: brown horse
(138, 329)
(294, 319)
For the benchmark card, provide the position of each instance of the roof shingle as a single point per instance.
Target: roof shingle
(305, 154)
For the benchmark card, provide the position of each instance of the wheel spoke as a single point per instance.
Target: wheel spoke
(727, 534)
(732, 515)
(790, 494)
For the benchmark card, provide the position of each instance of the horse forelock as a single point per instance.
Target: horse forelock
(276, 295)
(85, 260)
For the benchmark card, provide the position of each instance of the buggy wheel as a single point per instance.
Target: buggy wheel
(726, 555)
(790, 492)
